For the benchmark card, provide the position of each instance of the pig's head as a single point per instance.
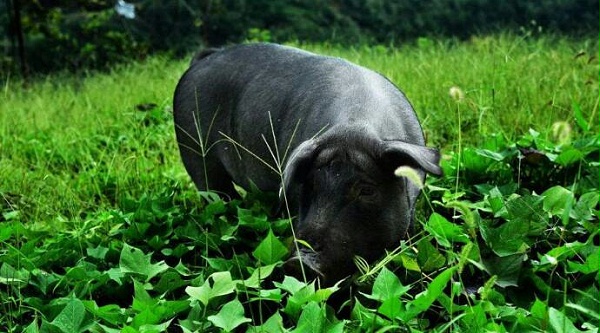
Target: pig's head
(349, 202)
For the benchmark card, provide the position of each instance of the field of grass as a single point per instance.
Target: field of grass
(101, 229)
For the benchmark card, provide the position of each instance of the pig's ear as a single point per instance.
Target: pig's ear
(299, 164)
(420, 157)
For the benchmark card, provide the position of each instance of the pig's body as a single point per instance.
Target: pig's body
(339, 129)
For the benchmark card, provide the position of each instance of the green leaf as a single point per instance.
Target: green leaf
(311, 320)
(387, 286)
(110, 313)
(496, 202)
(271, 250)
(230, 316)
(429, 257)
(424, 300)
(591, 264)
(290, 284)
(366, 316)
(445, 233)
(507, 268)
(592, 313)
(491, 154)
(134, 261)
(71, 318)
(560, 323)
(98, 252)
(473, 160)
(556, 199)
(141, 298)
(273, 325)
(391, 308)
(539, 310)
(32, 328)
(569, 156)
(525, 219)
(6, 229)
(222, 285)
(248, 219)
(580, 119)
(409, 263)
(258, 275)
(583, 210)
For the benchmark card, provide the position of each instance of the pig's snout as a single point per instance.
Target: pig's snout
(304, 264)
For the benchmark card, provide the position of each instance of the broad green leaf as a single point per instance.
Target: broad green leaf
(158, 328)
(222, 285)
(141, 298)
(99, 252)
(258, 275)
(569, 156)
(556, 199)
(32, 328)
(290, 284)
(230, 316)
(311, 320)
(71, 318)
(496, 202)
(473, 161)
(169, 281)
(591, 264)
(409, 263)
(429, 257)
(583, 210)
(201, 293)
(274, 295)
(6, 229)
(474, 318)
(506, 268)
(148, 316)
(424, 300)
(560, 323)
(496, 156)
(249, 219)
(110, 313)
(445, 233)
(273, 325)
(271, 250)
(134, 261)
(10, 276)
(387, 286)
(527, 209)
(322, 294)
(592, 313)
(366, 316)
(391, 308)
(539, 310)
(579, 118)
(297, 301)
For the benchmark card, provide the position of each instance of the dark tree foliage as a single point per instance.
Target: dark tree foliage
(82, 34)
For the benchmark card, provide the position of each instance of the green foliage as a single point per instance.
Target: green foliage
(102, 231)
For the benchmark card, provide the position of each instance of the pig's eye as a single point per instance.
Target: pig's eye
(366, 191)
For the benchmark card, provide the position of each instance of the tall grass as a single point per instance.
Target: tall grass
(70, 144)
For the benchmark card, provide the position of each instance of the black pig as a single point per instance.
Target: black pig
(339, 130)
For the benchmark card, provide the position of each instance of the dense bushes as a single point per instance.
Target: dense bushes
(62, 34)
